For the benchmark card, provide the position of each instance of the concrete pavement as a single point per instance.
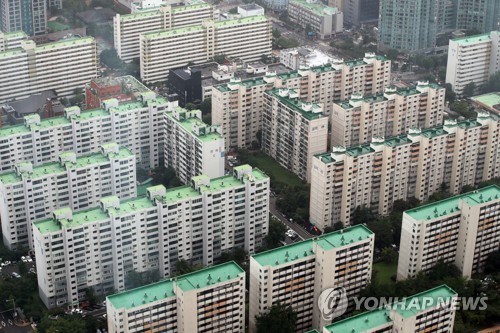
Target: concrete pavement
(299, 230)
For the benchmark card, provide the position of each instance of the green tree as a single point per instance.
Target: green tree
(493, 84)
(275, 235)
(165, 177)
(469, 89)
(276, 33)
(233, 10)
(23, 269)
(450, 94)
(492, 263)
(389, 255)
(206, 106)
(110, 58)
(190, 106)
(382, 227)
(219, 58)
(90, 296)
(362, 215)
(279, 318)
(184, 267)
(308, 28)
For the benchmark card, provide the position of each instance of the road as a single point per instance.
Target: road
(301, 232)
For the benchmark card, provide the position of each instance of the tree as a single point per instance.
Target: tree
(492, 263)
(279, 318)
(184, 267)
(382, 227)
(190, 106)
(469, 89)
(110, 58)
(206, 106)
(165, 177)
(233, 10)
(219, 58)
(90, 296)
(389, 255)
(275, 235)
(493, 84)
(362, 215)
(276, 33)
(450, 94)
(308, 28)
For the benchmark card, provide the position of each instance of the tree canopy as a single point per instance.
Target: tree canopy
(279, 318)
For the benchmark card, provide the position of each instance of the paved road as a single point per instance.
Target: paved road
(303, 234)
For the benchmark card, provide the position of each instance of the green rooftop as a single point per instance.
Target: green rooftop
(64, 43)
(165, 289)
(416, 304)
(491, 100)
(53, 168)
(156, 11)
(187, 121)
(317, 7)
(380, 318)
(450, 206)
(310, 111)
(173, 32)
(363, 322)
(209, 276)
(472, 39)
(300, 250)
(15, 34)
(243, 20)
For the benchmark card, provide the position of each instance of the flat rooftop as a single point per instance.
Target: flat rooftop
(297, 251)
(490, 101)
(207, 132)
(310, 111)
(316, 7)
(469, 40)
(363, 322)
(450, 206)
(162, 290)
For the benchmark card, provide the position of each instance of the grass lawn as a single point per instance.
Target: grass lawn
(270, 167)
(384, 272)
(56, 26)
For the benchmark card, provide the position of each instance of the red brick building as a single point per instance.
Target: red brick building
(124, 88)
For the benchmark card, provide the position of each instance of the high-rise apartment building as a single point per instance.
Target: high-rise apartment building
(325, 21)
(209, 300)
(357, 12)
(128, 28)
(54, 3)
(462, 230)
(31, 193)
(136, 125)
(32, 68)
(192, 147)
(412, 25)
(29, 16)
(480, 15)
(295, 275)
(430, 311)
(197, 222)
(247, 38)
(293, 131)
(391, 113)
(472, 59)
(416, 165)
(11, 40)
(238, 105)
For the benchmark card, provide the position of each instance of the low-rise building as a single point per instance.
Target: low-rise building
(208, 300)
(186, 84)
(323, 20)
(247, 38)
(462, 230)
(488, 102)
(30, 193)
(192, 147)
(430, 311)
(123, 88)
(293, 131)
(295, 275)
(199, 222)
(31, 68)
(300, 57)
(394, 112)
(376, 174)
(251, 9)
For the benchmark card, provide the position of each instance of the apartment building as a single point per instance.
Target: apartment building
(208, 300)
(390, 113)
(293, 131)
(128, 28)
(32, 68)
(430, 311)
(472, 59)
(296, 274)
(98, 247)
(247, 38)
(238, 105)
(192, 147)
(136, 125)
(325, 21)
(11, 40)
(29, 16)
(376, 174)
(31, 193)
(460, 230)
(479, 15)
